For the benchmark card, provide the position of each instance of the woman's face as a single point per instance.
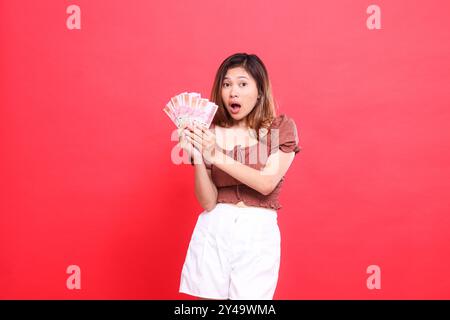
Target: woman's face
(239, 93)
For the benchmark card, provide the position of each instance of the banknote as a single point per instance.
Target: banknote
(190, 108)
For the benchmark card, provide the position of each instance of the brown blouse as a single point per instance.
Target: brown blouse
(282, 135)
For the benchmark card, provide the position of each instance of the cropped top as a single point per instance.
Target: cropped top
(282, 134)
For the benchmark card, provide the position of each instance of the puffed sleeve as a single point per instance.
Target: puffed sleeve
(285, 137)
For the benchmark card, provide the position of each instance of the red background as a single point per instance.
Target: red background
(86, 175)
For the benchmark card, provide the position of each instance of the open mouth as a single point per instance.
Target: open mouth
(235, 107)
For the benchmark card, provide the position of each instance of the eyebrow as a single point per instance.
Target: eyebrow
(238, 77)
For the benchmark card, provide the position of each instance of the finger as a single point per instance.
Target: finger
(196, 144)
(210, 138)
(196, 135)
(206, 131)
(182, 134)
(198, 131)
(190, 134)
(183, 127)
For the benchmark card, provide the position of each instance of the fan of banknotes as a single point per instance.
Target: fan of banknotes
(190, 108)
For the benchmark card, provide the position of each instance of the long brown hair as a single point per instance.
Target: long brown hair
(264, 111)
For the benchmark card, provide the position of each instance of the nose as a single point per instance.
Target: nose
(233, 92)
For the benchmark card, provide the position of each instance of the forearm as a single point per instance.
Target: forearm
(205, 190)
(245, 174)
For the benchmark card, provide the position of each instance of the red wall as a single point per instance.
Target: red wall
(85, 169)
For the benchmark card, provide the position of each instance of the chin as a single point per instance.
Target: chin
(237, 117)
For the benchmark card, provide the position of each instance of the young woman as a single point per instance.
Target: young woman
(240, 163)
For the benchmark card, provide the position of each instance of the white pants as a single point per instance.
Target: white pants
(234, 253)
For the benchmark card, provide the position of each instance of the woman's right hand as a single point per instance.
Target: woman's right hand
(194, 155)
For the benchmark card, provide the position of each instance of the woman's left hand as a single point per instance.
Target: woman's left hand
(203, 140)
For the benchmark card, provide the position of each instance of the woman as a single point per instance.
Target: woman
(240, 163)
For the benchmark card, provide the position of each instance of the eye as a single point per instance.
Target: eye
(225, 84)
(244, 84)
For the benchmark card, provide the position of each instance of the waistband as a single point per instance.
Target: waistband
(245, 210)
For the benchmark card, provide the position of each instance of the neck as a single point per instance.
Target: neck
(240, 124)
